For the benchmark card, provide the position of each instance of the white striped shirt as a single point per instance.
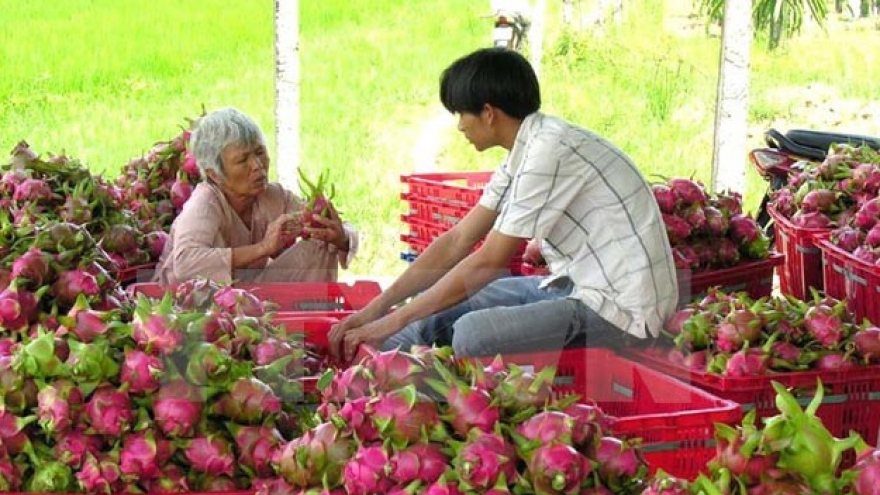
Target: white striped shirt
(598, 219)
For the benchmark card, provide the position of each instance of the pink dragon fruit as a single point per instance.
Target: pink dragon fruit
(867, 467)
(73, 446)
(546, 427)
(156, 333)
(248, 401)
(239, 301)
(34, 266)
(678, 230)
(685, 257)
(423, 462)
(847, 238)
(824, 200)
(872, 238)
(10, 476)
(139, 456)
(141, 371)
(172, 480)
(353, 382)
(589, 422)
(466, 407)
(695, 216)
(746, 363)
(177, 408)
(368, 471)
(13, 435)
(109, 411)
(824, 326)
(32, 190)
(59, 405)
(392, 369)
(212, 454)
(71, 283)
(405, 415)
(155, 242)
(355, 418)
(181, 190)
(257, 446)
(315, 458)
(716, 222)
(812, 220)
(483, 458)
(522, 390)
(664, 484)
(867, 344)
(443, 487)
(617, 461)
(688, 191)
(666, 199)
(558, 468)
(868, 214)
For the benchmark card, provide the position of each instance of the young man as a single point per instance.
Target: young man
(611, 267)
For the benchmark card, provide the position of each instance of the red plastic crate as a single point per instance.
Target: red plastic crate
(296, 296)
(674, 420)
(131, 274)
(851, 397)
(847, 277)
(802, 269)
(433, 211)
(461, 189)
(754, 277)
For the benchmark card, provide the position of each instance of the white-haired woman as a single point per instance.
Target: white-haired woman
(238, 226)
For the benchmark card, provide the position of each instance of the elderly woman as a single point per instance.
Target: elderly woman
(238, 226)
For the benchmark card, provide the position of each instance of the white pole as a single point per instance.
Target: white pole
(287, 108)
(731, 110)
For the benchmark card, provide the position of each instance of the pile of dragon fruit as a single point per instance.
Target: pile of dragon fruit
(789, 453)
(735, 335)
(708, 231)
(186, 393)
(426, 422)
(840, 195)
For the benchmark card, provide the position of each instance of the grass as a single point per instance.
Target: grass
(103, 80)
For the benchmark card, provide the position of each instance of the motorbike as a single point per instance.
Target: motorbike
(787, 154)
(511, 28)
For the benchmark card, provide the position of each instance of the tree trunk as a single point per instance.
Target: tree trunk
(731, 108)
(287, 91)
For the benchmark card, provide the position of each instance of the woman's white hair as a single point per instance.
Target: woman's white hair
(217, 130)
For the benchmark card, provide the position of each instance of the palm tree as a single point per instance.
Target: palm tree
(777, 18)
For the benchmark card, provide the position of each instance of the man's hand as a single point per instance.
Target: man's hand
(348, 334)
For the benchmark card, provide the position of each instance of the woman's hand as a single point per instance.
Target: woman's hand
(328, 229)
(281, 233)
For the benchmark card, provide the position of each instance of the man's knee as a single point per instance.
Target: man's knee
(467, 339)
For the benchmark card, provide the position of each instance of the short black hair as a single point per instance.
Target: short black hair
(500, 77)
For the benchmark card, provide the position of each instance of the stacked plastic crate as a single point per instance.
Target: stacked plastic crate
(436, 202)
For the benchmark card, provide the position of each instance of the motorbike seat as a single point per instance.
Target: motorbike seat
(814, 145)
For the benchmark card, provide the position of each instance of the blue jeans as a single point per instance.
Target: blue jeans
(511, 315)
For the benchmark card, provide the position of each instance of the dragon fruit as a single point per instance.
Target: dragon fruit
(867, 469)
(315, 458)
(392, 369)
(69, 284)
(248, 401)
(172, 480)
(353, 382)
(867, 344)
(73, 446)
(34, 266)
(546, 427)
(177, 408)
(665, 198)
(824, 200)
(424, 462)
(868, 214)
(239, 301)
(355, 417)
(558, 468)
(59, 404)
(141, 371)
(847, 238)
(483, 458)
(181, 190)
(688, 191)
(156, 332)
(211, 454)
(522, 390)
(617, 461)
(824, 325)
(664, 484)
(466, 407)
(746, 363)
(109, 411)
(51, 477)
(678, 229)
(32, 190)
(368, 471)
(257, 446)
(405, 415)
(139, 457)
